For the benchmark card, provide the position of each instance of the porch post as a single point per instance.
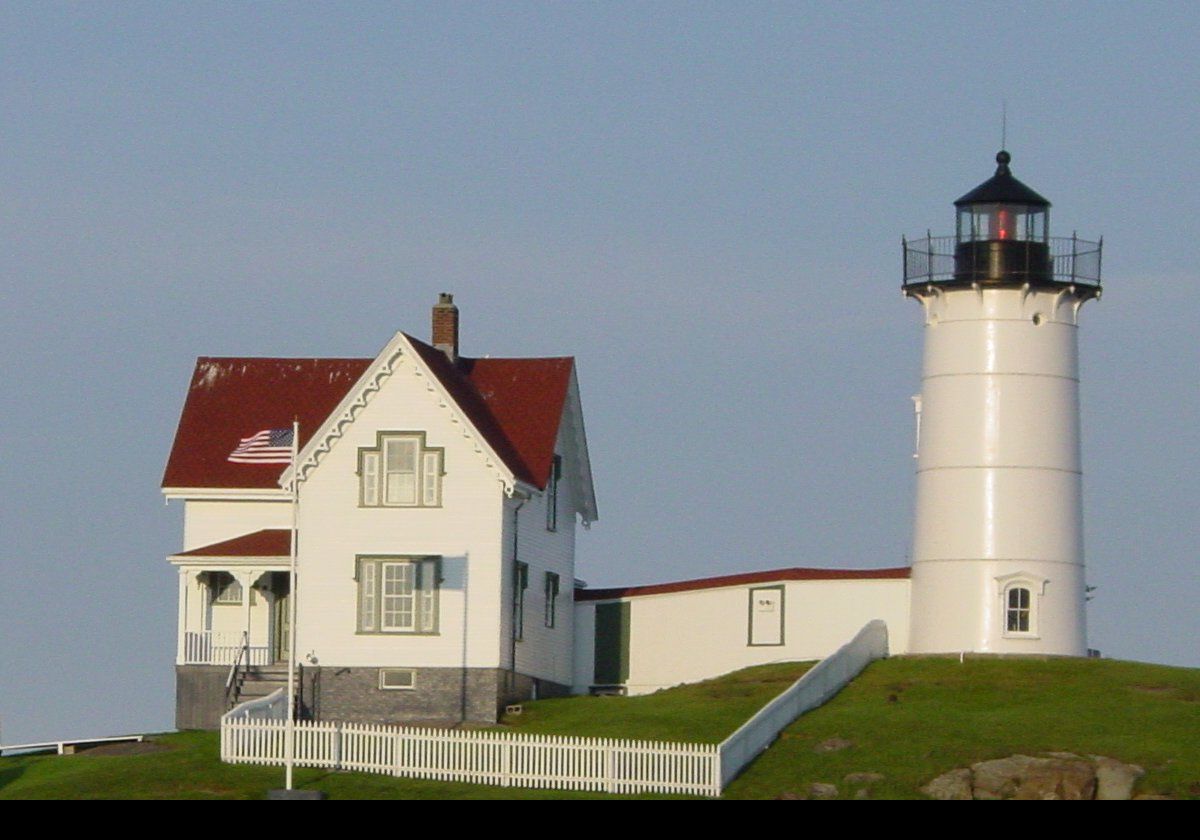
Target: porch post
(181, 637)
(246, 579)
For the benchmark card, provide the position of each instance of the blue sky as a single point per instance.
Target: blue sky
(702, 202)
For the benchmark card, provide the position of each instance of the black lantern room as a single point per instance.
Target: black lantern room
(1002, 238)
(1002, 234)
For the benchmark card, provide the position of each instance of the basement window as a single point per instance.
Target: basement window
(397, 679)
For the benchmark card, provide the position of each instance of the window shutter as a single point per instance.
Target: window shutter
(428, 605)
(370, 479)
(551, 613)
(431, 478)
(552, 493)
(366, 591)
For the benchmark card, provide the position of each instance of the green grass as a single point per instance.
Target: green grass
(909, 719)
(703, 713)
(913, 719)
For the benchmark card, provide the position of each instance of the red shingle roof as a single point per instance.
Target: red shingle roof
(898, 573)
(230, 399)
(516, 404)
(273, 542)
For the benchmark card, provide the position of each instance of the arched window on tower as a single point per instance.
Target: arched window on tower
(1020, 597)
(1017, 611)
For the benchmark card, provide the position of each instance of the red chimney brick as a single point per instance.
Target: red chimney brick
(445, 326)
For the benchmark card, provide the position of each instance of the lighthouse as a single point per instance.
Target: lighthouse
(997, 559)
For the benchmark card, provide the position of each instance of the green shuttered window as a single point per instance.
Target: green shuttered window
(398, 595)
(400, 471)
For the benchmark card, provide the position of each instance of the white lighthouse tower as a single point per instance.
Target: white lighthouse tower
(998, 533)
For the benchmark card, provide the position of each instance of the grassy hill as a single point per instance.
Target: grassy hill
(907, 719)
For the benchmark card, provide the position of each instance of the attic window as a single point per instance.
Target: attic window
(400, 471)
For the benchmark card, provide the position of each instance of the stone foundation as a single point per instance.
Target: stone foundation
(438, 695)
(200, 696)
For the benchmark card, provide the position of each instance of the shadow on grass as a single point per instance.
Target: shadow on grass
(10, 775)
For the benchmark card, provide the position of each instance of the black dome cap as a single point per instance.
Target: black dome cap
(1002, 188)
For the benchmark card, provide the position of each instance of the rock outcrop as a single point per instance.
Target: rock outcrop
(1064, 776)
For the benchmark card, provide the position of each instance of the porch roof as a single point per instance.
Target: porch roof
(271, 542)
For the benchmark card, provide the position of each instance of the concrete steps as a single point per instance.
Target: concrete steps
(257, 682)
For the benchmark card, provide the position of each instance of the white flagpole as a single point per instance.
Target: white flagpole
(290, 734)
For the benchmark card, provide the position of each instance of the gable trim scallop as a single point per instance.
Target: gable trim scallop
(390, 361)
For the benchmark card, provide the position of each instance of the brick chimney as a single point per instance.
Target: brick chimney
(445, 326)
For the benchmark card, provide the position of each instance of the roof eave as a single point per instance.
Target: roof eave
(279, 561)
(249, 494)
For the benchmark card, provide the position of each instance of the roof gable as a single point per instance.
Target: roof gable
(515, 406)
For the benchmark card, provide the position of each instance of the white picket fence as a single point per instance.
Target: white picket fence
(490, 758)
(254, 733)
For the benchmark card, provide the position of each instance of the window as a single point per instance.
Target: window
(226, 589)
(397, 679)
(1020, 597)
(1018, 611)
(766, 616)
(552, 493)
(400, 472)
(398, 595)
(520, 584)
(551, 599)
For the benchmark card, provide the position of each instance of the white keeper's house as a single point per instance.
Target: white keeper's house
(439, 497)
(436, 521)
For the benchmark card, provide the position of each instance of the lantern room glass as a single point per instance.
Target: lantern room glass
(1002, 222)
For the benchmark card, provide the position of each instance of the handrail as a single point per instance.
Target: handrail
(67, 744)
(1067, 260)
(244, 650)
(271, 707)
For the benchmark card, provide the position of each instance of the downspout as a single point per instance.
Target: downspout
(512, 654)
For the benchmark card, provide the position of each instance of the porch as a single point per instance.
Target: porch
(233, 602)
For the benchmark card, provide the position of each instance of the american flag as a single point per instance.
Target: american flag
(270, 446)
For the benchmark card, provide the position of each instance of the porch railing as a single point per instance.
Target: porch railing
(212, 647)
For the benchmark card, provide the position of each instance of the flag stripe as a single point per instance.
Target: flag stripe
(270, 446)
